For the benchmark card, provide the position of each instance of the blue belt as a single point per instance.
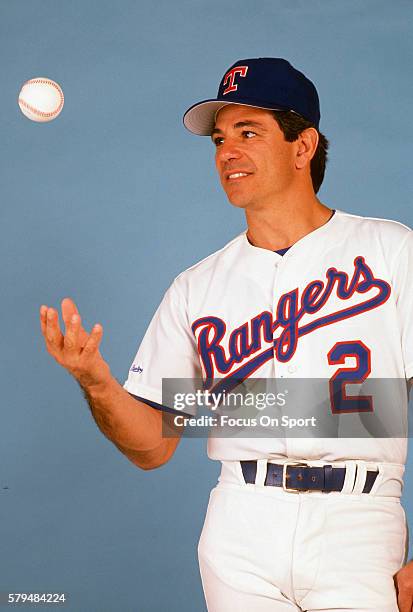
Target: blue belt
(295, 476)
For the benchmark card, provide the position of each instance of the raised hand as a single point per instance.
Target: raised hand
(77, 351)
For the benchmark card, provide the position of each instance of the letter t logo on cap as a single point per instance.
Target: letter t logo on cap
(230, 78)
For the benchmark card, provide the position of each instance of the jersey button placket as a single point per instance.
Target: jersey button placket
(285, 370)
(279, 368)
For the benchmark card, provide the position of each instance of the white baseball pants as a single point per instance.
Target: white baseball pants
(263, 549)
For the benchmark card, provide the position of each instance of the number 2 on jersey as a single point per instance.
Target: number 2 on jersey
(340, 401)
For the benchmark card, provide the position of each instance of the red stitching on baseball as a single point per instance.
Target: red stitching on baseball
(35, 110)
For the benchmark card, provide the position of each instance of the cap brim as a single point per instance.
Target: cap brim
(200, 118)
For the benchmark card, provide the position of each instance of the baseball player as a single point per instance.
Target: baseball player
(306, 292)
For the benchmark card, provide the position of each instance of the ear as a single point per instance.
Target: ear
(307, 143)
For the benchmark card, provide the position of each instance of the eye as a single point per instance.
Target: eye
(248, 134)
(218, 140)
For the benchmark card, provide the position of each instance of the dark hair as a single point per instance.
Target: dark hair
(292, 125)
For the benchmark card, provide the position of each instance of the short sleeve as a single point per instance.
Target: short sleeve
(168, 350)
(403, 288)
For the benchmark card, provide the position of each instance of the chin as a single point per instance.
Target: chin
(238, 200)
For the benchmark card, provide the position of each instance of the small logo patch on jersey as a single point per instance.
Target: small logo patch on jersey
(136, 369)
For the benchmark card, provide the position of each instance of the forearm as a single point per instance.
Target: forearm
(133, 426)
(130, 424)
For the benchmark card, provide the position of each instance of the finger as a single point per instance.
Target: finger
(43, 314)
(69, 309)
(71, 339)
(53, 333)
(93, 341)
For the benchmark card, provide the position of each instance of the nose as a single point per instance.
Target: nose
(227, 151)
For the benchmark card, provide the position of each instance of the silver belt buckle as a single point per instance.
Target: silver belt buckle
(284, 482)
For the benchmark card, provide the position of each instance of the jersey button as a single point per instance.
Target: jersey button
(292, 369)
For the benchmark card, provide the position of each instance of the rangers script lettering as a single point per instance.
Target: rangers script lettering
(249, 337)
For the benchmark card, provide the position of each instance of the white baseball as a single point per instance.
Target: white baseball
(41, 99)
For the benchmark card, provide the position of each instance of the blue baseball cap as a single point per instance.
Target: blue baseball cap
(271, 83)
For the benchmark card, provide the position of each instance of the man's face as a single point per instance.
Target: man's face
(254, 162)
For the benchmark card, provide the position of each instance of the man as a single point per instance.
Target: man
(307, 292)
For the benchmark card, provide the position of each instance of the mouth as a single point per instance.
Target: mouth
(236, 176)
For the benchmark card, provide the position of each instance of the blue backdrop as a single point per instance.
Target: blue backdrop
(111, 201)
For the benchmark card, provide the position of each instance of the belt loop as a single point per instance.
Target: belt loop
(379, 479)
(261, 472)
(349, 478)
(238, 472)
(360, 478)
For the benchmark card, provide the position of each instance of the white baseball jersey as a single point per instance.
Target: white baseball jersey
(339, 299)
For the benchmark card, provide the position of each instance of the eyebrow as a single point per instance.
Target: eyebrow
(241, 124)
